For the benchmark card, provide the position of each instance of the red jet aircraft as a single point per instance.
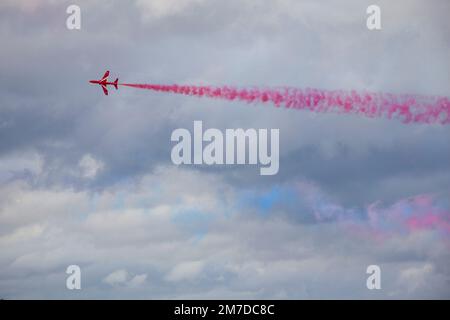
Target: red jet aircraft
(104, 82)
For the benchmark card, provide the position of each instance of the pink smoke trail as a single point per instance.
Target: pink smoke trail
(407, 108)
(423, 212)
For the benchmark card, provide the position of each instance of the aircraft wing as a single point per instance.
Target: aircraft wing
(105, 76)
(105, 90)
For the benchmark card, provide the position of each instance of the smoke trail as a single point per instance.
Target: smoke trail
(423, 212)
(407, 108)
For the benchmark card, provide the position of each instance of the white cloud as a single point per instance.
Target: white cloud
(17, 164)
(122, 277)
(21, 204)
(240, 255)
(155, 9)
(415, 278)
(185, 271)
(22, 234)
(116, 277)
(138, 280)
(90, 166)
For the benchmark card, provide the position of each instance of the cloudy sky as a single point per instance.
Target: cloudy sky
(88, 180)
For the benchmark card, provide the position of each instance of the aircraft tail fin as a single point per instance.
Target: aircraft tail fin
(115, 83)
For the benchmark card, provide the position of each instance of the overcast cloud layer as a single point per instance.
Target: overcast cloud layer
(88, 180)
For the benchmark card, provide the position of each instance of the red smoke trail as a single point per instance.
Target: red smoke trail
(407, 108)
